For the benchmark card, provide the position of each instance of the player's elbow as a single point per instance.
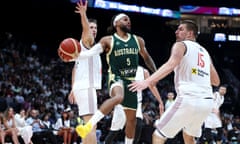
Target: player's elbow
(215, 82)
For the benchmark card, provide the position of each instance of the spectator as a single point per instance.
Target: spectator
(2, 132)
(63, 127)
(10, 125)
(170, 99)
(74, 121)
(24, 129)
(39, 132)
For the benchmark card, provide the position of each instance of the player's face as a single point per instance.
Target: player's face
(125, 24)
(93, 29)
(182, 33)
(222, 90)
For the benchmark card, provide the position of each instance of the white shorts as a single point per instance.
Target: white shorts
(213, 121)
(86, 100)
(187, 114)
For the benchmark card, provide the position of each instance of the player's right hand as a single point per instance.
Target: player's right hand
(71, 98)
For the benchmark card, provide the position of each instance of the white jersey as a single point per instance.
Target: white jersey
(192, 75)
(88, 72)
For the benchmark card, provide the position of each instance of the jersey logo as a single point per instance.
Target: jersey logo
(117, 43)
(199, 72)
(194, 71)
(201, 62)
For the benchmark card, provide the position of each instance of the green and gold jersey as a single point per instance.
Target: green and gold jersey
(123, 58)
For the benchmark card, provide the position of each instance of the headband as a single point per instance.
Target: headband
(118, 17)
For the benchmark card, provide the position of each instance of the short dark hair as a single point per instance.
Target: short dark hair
(92, 20)
(223, 85)
(191, 25)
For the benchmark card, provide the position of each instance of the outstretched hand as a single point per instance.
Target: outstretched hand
(81, 6)
(138, 86)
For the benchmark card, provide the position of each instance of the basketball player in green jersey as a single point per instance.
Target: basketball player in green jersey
(122, 54)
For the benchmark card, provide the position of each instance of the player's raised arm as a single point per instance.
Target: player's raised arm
(87, 37)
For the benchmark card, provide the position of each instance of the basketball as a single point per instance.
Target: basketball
(69, 49)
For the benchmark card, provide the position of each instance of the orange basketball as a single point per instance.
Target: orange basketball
(69, 49)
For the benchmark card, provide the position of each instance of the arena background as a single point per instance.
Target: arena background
(48, 22)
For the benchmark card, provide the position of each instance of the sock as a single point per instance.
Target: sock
(96, 117)
(128, 140)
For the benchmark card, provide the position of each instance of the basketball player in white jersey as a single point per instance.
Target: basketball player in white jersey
(86, 74)
(213, 120)
(194, 76)
(119, 118)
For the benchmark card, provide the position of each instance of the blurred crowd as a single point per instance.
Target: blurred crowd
(32, 82)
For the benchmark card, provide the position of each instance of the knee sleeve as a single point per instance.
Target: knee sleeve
(138, 131)
(111, 136)
(208, 134)
(219, 134)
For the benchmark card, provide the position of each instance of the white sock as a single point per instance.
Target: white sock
(96, 117)
(128, 140)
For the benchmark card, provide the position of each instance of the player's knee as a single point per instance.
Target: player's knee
(117, 99)
(131, 121)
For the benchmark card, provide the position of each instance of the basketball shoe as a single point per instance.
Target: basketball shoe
(84, 130)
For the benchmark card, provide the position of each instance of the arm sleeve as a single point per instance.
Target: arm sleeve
(96, 49)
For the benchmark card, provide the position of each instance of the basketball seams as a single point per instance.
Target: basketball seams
(66, 53)
(75, 45)
(69, 48)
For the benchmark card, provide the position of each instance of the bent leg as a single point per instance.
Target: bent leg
(91, 138)
(157, 138)
(188, 139)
